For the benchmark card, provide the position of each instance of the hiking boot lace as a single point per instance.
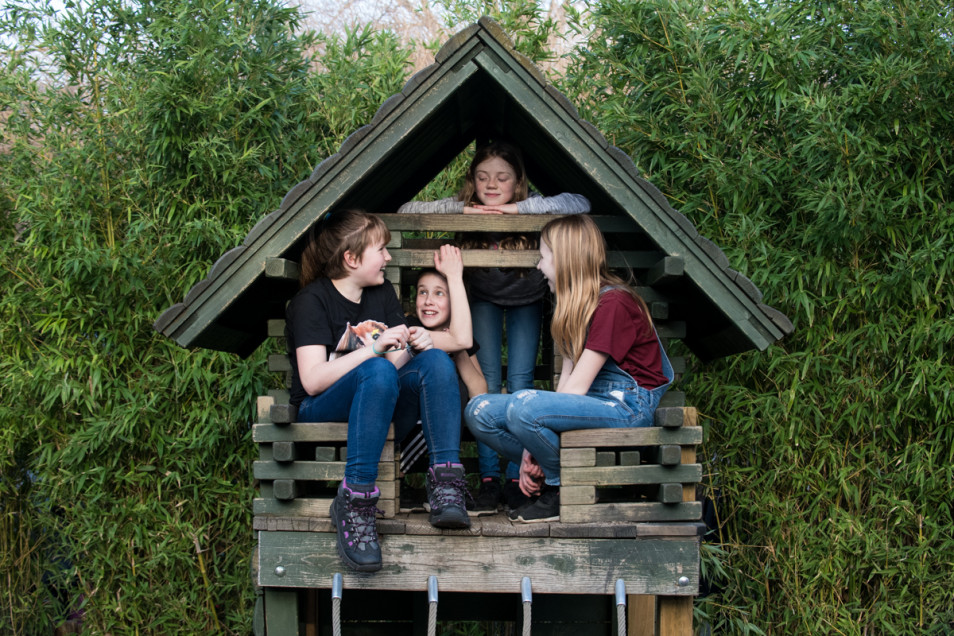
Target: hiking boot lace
(449, 493)
(361, 519)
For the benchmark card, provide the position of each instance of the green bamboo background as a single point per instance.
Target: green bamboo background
(813, 141)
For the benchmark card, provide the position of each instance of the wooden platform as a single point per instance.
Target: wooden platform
(492, 556)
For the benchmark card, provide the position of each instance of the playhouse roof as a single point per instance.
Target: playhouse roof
(478, 88)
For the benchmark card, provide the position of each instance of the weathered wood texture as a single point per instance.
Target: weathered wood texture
(300, 464)
(489, 564)
(660, 460)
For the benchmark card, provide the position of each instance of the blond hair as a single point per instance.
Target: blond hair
(579, 260)
(336, 233)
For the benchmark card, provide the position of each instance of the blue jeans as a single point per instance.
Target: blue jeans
(523, 339)
(534, 419)
(375, 392)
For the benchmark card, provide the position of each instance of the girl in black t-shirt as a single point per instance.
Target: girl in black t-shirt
(354, 358)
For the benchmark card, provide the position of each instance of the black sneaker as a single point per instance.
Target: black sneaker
(353, 512)
(546, 507)
(445, 496)
(513, 497)
(488, 498)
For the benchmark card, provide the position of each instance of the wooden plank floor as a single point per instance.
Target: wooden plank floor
(492, 556)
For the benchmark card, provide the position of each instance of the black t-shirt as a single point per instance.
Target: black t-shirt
(320, 315)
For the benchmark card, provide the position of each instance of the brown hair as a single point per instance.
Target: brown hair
(579, 260)
(334, 234)
(501, 150)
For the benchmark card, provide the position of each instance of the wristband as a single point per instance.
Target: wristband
(375, 351)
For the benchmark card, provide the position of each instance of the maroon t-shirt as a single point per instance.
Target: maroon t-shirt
(621, 330)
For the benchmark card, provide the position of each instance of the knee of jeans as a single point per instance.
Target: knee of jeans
(521, 408)
(473, 413)
(379, 371)
(438, 362)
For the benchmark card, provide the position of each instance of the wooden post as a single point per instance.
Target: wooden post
(311, 612)
(675, 615)
(641, 615)
(281, 612)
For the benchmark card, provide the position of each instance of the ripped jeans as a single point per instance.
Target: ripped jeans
(534, 419)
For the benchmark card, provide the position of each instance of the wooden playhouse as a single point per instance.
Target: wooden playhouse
(626, 550)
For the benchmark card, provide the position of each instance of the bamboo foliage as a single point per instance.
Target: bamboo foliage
(140, 142)
(812, 141)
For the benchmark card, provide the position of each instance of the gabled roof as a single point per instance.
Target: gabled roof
(478, 88)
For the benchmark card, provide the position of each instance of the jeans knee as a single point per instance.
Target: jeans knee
(437, 363)
(475, 415)
(380, 374)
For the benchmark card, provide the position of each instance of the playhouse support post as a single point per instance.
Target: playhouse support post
(675, 615)
(281, 612)
(641, 615)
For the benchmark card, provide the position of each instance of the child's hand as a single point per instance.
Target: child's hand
(420, 339)
(531, 475)
(479, 209)
(503, 208)
(448, 262)
(392, 339)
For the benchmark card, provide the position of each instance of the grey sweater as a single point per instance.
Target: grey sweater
(507, 287)
(566, 203)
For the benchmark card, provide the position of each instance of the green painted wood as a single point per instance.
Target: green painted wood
(646, 436)
(285, 489)
(674, 417)
(629, 458)
(281, 612)
(485, 564)
(669, 455)
(282, 414)
(622, 475)
(491, 223)
(283, 451)
(606, 458)
(301, 432)
(667, 271)
(325, 453)
(511, 258)
(631, 512)
(577, 457)
(276, 327)
(669, 493)
(313, 471)
(281, 268)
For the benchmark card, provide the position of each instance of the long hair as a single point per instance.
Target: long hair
(579, 259)
(500, 150)
(339, 232)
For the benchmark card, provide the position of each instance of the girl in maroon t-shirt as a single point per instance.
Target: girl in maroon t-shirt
(614, 367)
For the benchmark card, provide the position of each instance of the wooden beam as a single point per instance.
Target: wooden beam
(675, 615)
(487, 564)
(665, 272)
